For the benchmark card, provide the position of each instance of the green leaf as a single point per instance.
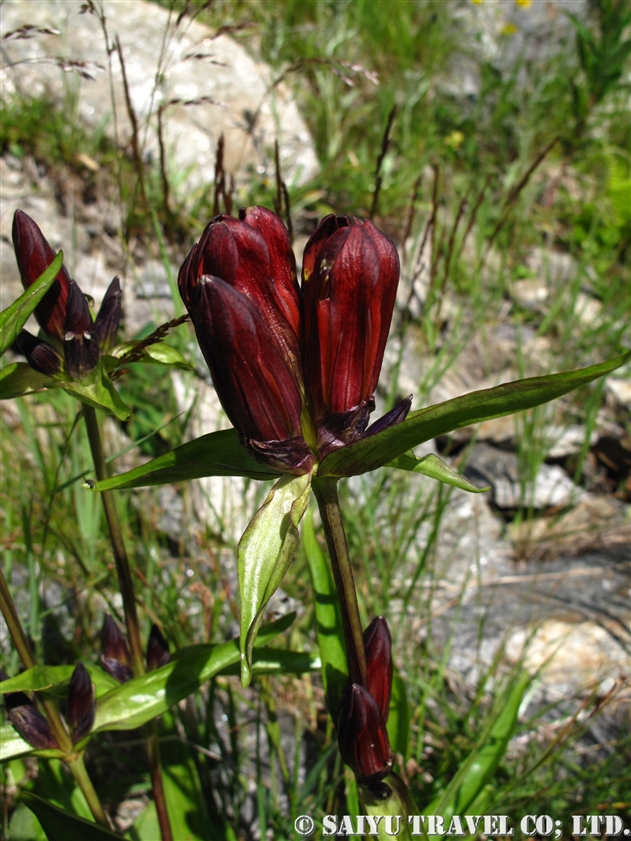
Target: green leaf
(12, 744)
(481, 764)
(434, 467)
(158, 354)
(56, 678)
(19, 378)
(398, 803)
(380, 449)
(328, 618)
(99, 393)
(15, 316)
(272, 661)
(215, 454)
(60, 825)
(139, 700)
(264, 554)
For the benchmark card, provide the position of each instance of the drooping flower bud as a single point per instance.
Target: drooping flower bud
(350, 277)
(157, 649)
(245, 312)
(80, 706)
(41, 356)
(362, 736)
(28, 720)
(115, 657)
(378, 645)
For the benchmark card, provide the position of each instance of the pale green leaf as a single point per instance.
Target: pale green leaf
(264, 554)
(434, 467)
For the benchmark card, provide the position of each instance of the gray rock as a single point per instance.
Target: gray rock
(168, 66)
(488, 465)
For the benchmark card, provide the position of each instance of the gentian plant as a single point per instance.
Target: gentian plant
(296, 368)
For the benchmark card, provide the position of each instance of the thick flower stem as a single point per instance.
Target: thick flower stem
(325, 491)
(57, 726)
(131, 617)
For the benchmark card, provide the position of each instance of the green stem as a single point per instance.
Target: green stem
(325, 491)
(118, 545)
(131, 617)
(54, 719)
(79, 772)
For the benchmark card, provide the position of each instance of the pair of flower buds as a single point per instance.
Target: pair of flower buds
(295, 368)
(73, 341)
(362, 735)
(79, 707)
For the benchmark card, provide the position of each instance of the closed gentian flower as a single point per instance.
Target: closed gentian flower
(28, 720)
(157, 649)
(74, 342)
(362, 736)
(238, 284)
(378, 645)
(350, 276)
(80, 704)
(115, 658)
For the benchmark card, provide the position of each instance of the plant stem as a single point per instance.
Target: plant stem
(118, 546)
(80, 773)
(131, 617)
(75, 761)
(325, 491)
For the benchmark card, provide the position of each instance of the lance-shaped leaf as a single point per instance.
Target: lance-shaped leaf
(425, 424)
(434, 467)
(215, 454)
(19, 378)
(55, 679)
(100, 393)
(60, 825)
(265, 552)
(157, 354)
(139, 700)
(329, 628)
(15, 316)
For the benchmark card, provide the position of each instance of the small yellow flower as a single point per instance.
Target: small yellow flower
(525, 4)
(509, 29)
(454, 139)
(477, 2)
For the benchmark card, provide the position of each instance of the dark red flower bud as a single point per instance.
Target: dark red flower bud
(34, 255)
(107, 321)
(27, 719)
(252, 375)
(253, 254)
(115, 657)
(80, 705)
(350, 277)
(157, 649)
(41, 356)
(378, 645)
(362, 737)
(81, 352)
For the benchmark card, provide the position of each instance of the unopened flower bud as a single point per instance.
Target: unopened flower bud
(350, 277)
(157, 649)
(115, 657)
(80, 707)
(362, 736)
(28, 720)
(378, 645)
